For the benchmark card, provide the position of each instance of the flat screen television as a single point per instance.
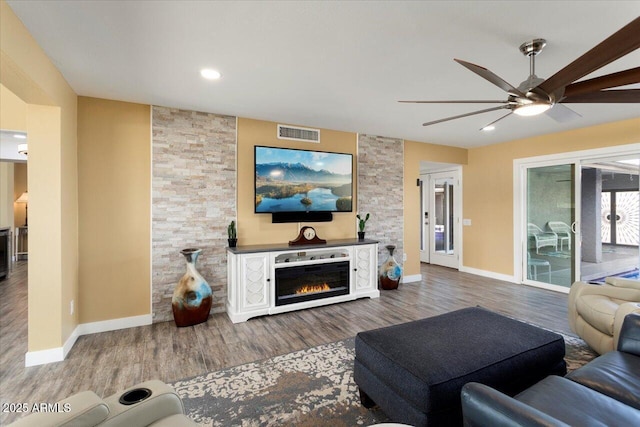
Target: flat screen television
(292, 180)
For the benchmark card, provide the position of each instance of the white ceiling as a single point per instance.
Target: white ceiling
(329, 64)
(9, 141)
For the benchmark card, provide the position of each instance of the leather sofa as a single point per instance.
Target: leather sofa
(596, 312)
(606, 391)
(151, 403)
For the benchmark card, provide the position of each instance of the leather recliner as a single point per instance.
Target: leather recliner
(604, 392)
(596, 312)
(151, 403)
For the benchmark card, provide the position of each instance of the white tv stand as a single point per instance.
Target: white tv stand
(250, 270)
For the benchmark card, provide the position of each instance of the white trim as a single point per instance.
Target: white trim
(150, 266)
(58, 354)
(42, 357)
(412, 278)
(114, 324)
(548, 286)
(489, 274)
(615, 150)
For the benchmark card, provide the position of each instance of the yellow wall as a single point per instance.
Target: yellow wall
(488, 187)
(414, 153)
(19, 187)
(257, 228)
(6, 194)
(114, 170)
(51, 121)
(13, 111)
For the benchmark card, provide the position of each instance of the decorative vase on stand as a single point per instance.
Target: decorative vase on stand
(390, 271)
(192, 297)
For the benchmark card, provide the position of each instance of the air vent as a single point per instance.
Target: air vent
(298, 134)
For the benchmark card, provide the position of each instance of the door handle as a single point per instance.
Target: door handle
(574, 226)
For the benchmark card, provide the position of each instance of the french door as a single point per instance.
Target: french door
(441, 218)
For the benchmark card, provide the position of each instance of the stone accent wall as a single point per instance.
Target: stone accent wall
(194, 199)
(380, 191)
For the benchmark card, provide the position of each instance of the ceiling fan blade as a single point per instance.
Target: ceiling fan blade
(457, 102)
(490, 76)
(621, 78)
(495, 121)
(622, 96)
(622, 42)
(562, 114)
(465, 115)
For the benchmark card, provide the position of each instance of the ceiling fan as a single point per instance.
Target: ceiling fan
(536, 96)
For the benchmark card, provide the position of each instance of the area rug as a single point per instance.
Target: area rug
(312, 387)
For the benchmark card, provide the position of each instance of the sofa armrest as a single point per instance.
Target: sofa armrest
(621, 313)
(161, 402)
(629, 340)
(621, 282)
(484, 406)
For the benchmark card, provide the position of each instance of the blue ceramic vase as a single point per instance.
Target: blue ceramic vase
(390, 271)
(192, 297)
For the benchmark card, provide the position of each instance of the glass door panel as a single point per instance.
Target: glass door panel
(550, 220)
(443, 221)
(424, 213)
(610, 228)
(626, 218)
(605, 208)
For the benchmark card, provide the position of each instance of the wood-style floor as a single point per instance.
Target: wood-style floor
(111, 361)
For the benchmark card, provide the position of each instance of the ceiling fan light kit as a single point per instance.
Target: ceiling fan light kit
(532, 109)
(536, 96)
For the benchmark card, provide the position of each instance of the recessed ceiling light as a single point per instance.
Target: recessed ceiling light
(19, 136)
(210, 74)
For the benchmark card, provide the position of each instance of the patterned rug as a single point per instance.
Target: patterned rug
(312, 387)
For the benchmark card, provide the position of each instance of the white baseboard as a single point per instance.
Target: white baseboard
(42, 357)
(489, 274)
(115, 324)
(412, 278)
(58, 354)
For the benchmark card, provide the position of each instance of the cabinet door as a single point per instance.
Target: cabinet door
(366, 266)
(255, 281)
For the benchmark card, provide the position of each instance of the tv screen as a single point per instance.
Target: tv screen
(291, 180)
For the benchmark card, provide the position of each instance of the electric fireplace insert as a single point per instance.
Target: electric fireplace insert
(310, 282)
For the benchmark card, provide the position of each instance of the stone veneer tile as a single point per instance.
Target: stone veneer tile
(380, 191)
(194, 198)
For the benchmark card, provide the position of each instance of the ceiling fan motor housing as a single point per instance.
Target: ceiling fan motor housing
(532, 47)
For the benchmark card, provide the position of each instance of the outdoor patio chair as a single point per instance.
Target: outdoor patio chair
(534, 263)
(562, 230)
(542, 238)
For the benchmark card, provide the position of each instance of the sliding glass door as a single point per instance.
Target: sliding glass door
(550, 248)
(577, 217)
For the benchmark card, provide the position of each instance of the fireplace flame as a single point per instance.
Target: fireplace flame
(309, 289)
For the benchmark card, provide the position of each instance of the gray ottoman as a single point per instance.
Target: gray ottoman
(414, 372)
